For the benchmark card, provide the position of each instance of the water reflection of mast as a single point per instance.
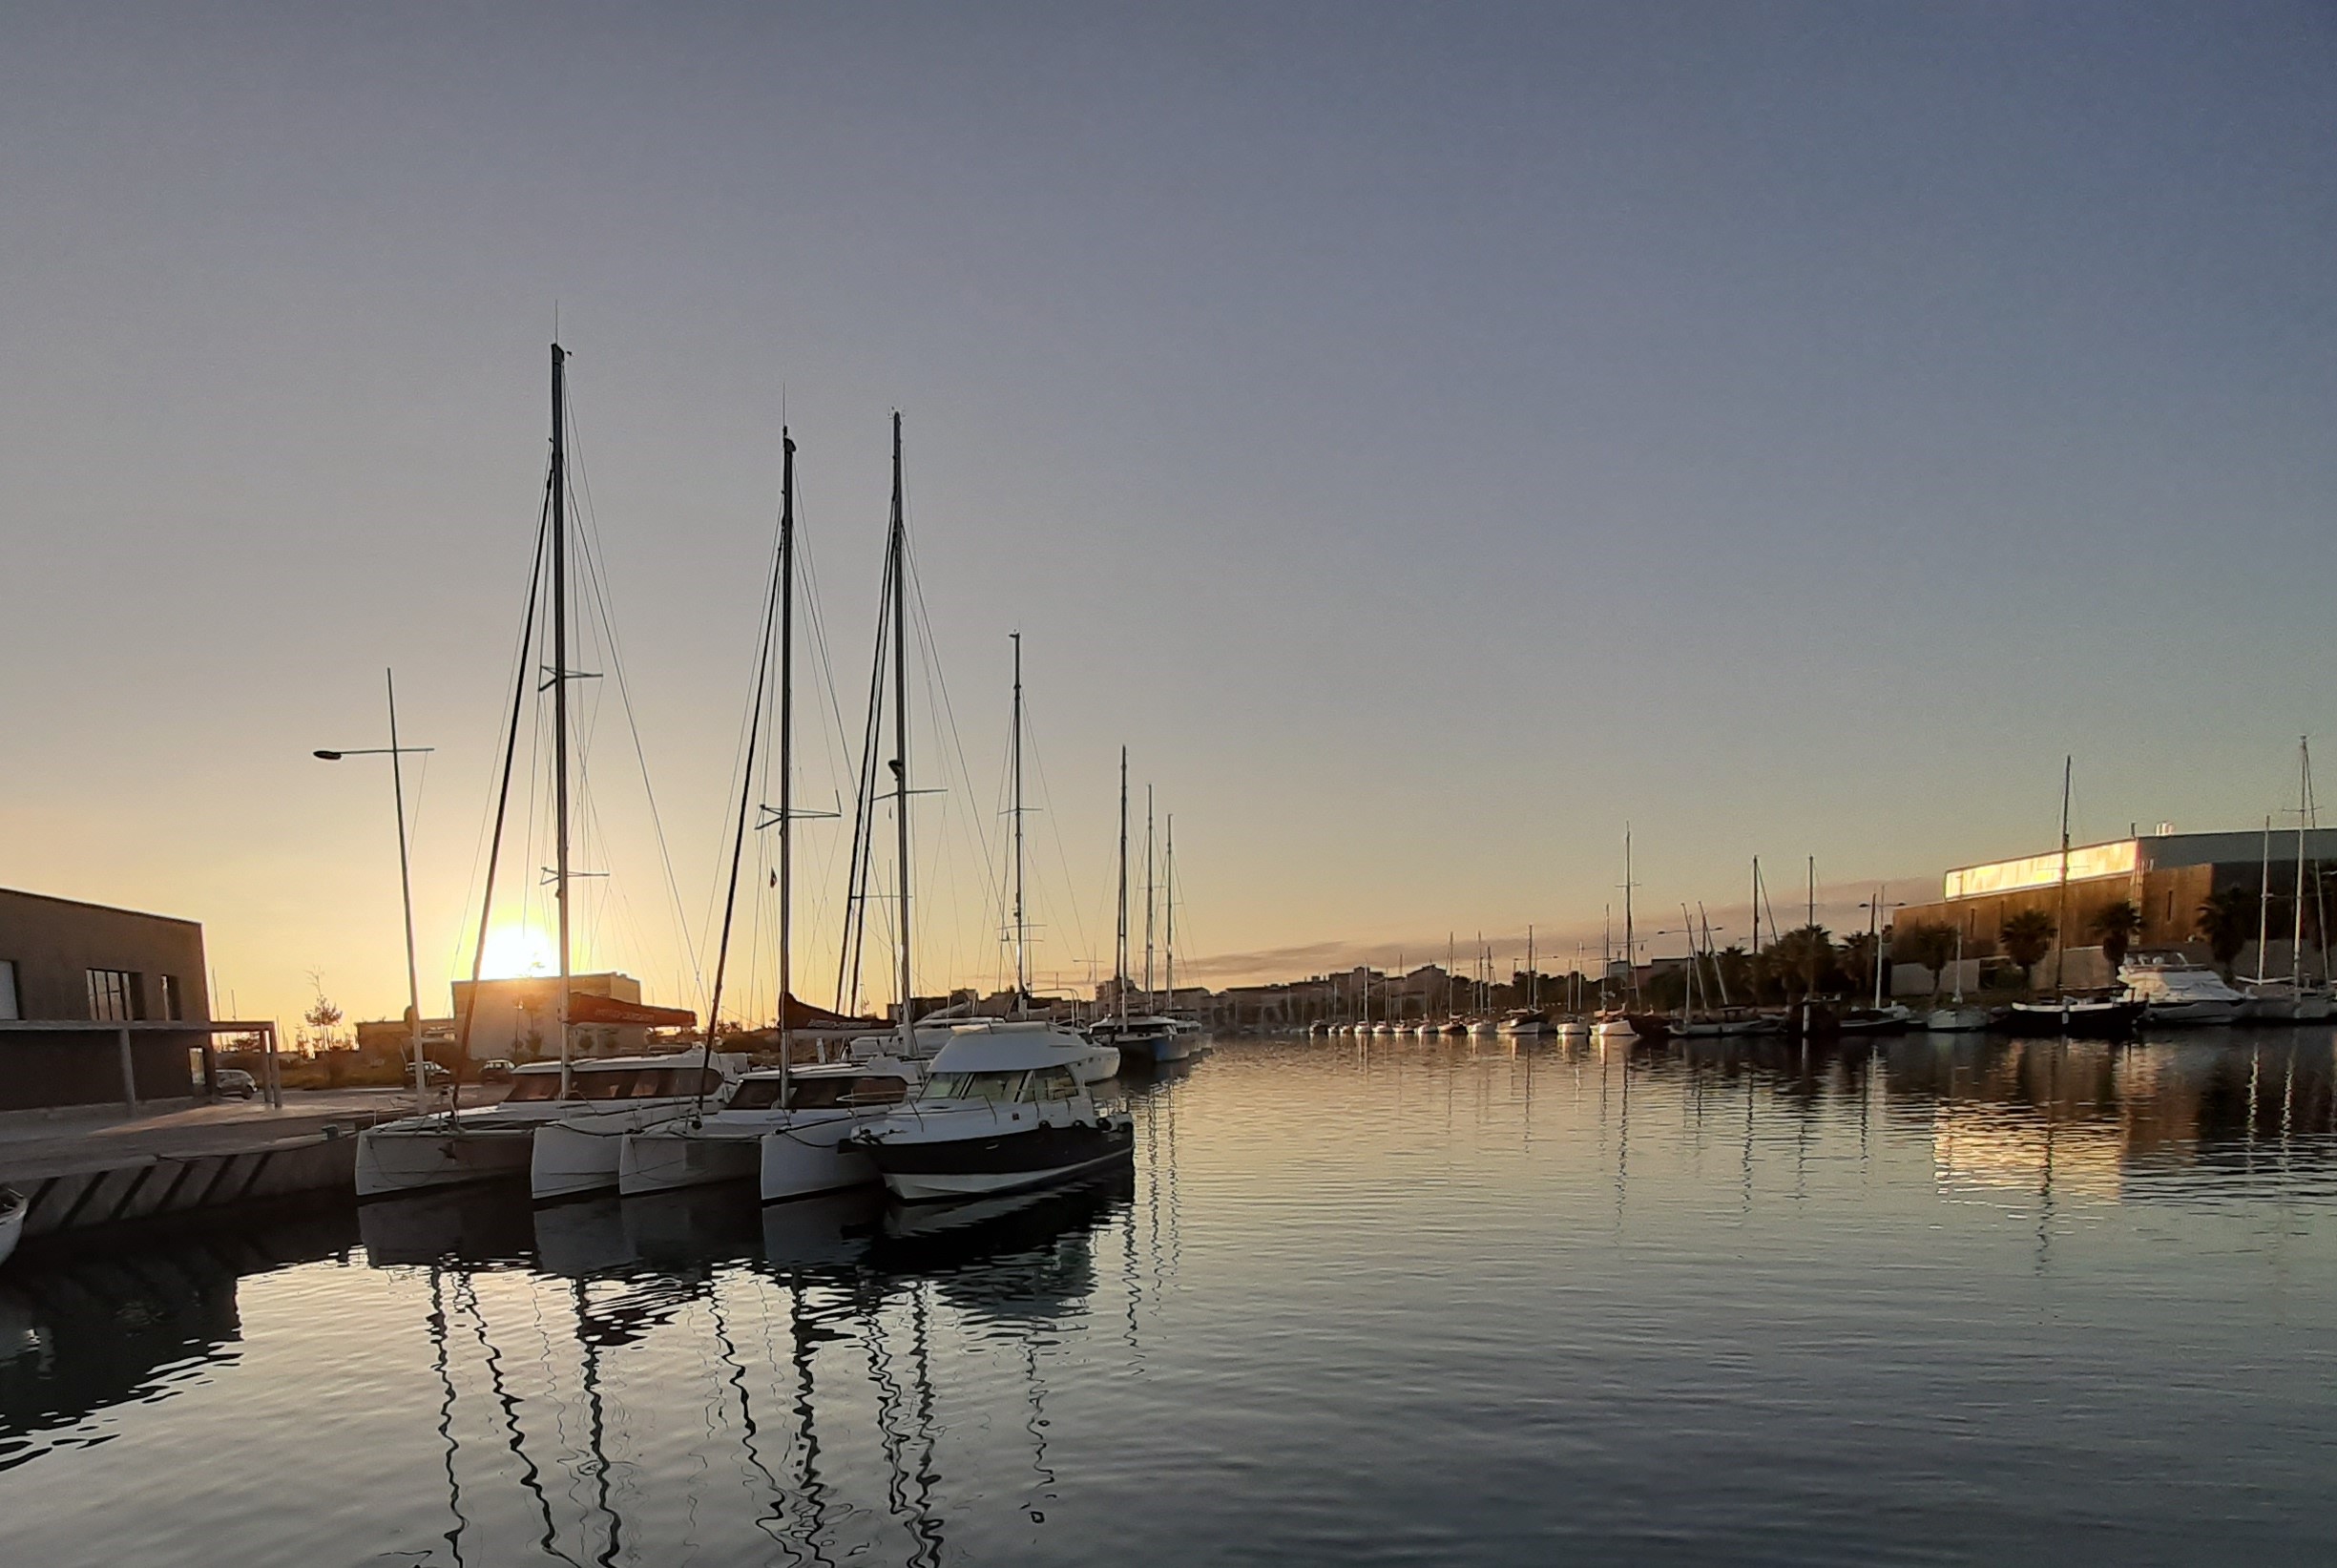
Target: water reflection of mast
(445, 1411)
(596, 1425)
(529, 1475)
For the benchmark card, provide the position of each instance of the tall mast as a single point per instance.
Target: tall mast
(1631, 948)
(1119, 957)
(1755, 950)
(1150, 903)
(900, 734)
(786, 759)
(1168, 883)
(559, 683)
(1022, 963)
(2060, 919)
(2264, 901)
(771, 617)
(2296, 941)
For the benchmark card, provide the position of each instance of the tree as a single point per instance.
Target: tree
(1933, 947)
(1736, 967)
(2027, 937)
(1858, 952)
(321, 1016)
(2116, 925)
(2225, 922)
(1805, 953)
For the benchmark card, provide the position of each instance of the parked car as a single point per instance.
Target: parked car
(497, 1071)
(236, 1083)
(434, 1072)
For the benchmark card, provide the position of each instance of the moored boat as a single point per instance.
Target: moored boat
(1001, 1112)
(2071, 1018)
(799, 1115)
(2176, 991)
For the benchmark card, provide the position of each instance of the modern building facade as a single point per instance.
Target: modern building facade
(65, 961)
(2168, 876)
(519, 1019)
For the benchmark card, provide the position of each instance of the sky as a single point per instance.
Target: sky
(1433, 440)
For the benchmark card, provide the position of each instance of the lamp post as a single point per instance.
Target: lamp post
(406, 879)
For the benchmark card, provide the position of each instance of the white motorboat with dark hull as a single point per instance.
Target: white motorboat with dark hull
(1145, 1038)
(2174, 990)
(780, 1129)
(493, 1143)
(1001, 1112)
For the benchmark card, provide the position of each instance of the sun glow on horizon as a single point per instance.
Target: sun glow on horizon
(514, 952)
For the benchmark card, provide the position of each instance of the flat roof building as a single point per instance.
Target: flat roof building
(66, 961)
(2166, 876)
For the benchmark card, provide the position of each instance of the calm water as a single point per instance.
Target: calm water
(1415, 1303)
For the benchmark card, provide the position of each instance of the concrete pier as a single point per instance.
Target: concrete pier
(82, 1173)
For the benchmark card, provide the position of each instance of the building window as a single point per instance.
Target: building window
(10, 1005)
(114, 995)
(172, 1007)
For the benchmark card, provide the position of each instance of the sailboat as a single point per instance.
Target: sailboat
(2293, 999)
(486, 1142)
(1529, 1021)
(1143, 1037)
(2069, 1015)
(1956, 1018)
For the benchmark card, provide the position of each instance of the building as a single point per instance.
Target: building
(73, 963)
(519, 1019)
(2166, 876)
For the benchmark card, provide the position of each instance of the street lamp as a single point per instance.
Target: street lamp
(406, 879)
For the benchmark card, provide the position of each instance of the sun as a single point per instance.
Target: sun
(516, 950)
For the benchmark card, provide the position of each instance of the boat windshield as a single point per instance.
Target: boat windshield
(643, 1082)
(999, 1088)
(534, 1086)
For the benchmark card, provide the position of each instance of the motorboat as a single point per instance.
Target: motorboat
(1524, 1022)
(1140, 1038)
(487, 1142)
(780, 1126)
(2175, 990)
(13, 1207)
(1001, 1110)
(1955, 1021)
(2070, 1017)
(580, 1150)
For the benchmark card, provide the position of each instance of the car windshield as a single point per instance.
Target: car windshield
(995, 1087)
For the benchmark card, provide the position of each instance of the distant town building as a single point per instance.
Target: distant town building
(2168, 876)
(64, 960)
(518, 1019)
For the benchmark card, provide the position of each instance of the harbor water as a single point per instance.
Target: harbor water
(1922, 1300)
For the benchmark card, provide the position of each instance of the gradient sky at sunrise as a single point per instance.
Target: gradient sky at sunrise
(1430, 437)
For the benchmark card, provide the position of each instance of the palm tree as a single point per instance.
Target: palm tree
(2225, 921)
(1805, 953)
(2117, 924)
(1858, 961)
(1933, 947)
(2027, 937)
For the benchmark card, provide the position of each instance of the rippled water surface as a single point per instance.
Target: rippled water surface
(1417, 1303)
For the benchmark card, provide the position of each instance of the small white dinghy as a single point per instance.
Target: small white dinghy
(13, 1207)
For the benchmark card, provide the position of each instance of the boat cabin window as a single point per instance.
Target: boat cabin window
(757, 1093)
(1051, 1083)
(998, 1088)
(534, 1086)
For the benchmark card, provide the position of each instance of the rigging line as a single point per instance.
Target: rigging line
(854, 938)
(507, 719)
(934, 677)
(1037, 761)
(589, 553)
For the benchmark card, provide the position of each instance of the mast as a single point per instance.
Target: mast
(1631, 950)
(1168, 885)
(1149, 902)
(1534, 980)
(2263, 900)
(771, 614)
(1119, 957)
(1755, 950)
(1022, 965)
(559, 685)
(2296, 941)
(787, 762)
(900, 736)
(2060, 919)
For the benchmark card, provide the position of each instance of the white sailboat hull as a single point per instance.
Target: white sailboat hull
(670, 1159)
(1956, 1020)
(803, 1161)
(584, 1151)
(411, 1157)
